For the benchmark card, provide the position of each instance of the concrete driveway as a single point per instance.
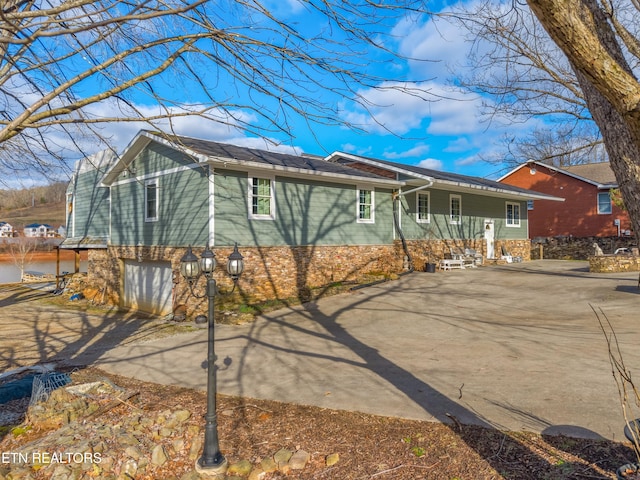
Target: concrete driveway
(514, 347)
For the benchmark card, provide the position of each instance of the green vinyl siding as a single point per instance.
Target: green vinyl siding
(182, 206)
(474, 208)
(306, 213)
(89, 215)
(158, 158)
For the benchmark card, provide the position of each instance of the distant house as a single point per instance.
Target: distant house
(39, 230)
(300, 221)
(587, 210)
(6, 230)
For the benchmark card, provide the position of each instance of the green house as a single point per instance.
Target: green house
(301, 221)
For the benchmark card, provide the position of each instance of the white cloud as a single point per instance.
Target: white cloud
(431, 163)
(417, 151)
(433, 46)
(401, 107)
(355, 149)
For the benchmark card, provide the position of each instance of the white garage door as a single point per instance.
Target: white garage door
(148, 286)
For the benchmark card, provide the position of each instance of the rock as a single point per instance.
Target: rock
(268, 465)
(196, 448)
(242, 468)
(133, 452)
(192, 475)
(331, 459)
(130, 468)
(299, 460)
(282, 457)
(158, 455)
(182, 415)
(256, 474)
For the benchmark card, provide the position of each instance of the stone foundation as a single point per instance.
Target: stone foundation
(614, 263)
(277, 272)
(432, 251)
(270, 272)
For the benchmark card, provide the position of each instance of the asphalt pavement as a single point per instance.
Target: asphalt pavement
(513, 347)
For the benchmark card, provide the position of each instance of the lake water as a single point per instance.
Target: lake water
(9, 273)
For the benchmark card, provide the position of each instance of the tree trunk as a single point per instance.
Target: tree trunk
(581, 29)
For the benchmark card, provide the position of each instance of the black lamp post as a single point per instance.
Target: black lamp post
(211, 461)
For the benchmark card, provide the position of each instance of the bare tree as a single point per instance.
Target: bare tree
(522, 75)
(601, 40)
(66, 68)
(21, 250)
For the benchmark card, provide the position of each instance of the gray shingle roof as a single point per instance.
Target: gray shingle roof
(597, 172)
(314, 164)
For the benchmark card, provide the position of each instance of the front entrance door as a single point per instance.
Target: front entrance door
(488, 237)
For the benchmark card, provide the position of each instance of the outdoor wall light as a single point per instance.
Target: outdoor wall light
(212, 462)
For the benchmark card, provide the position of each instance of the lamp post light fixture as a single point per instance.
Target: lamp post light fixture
(212, 461)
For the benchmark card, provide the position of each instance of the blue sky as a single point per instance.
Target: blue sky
(445, 133)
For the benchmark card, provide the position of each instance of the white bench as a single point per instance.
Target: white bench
(450, 264)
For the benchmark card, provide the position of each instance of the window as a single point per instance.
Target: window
(529, 204)
(455, 209)
(422, 208)
(365, 206)
(513, 214)
(261, 198)
(604, 202)
(151, 200)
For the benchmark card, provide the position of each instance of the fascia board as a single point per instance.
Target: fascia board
(140, 141)
(453, 186)
(559, 170)
(494, 192)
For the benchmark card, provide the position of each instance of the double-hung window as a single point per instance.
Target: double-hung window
(422, 207)
(455, 209)
(513, 214)
(604, 203)
(151, 200)
(366, 209)
(261, 198)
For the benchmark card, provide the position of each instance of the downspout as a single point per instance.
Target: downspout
(397, 196)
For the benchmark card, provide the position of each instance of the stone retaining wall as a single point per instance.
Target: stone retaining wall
(614, 263)
(577, 248)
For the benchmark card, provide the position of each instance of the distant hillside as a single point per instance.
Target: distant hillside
(43, 204)
(52, 214)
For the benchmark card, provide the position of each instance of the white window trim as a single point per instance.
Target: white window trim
(506, 215)
(451, 220)
(272, 202)
(598, 204)
(373, 205)
(156, 182)
(428, 219)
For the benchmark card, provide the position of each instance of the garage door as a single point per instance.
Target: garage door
(148, 286)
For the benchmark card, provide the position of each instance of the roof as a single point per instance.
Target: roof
(228, 156)
(602, 173)
(335, 166)
(449, 180)
(82, 243)
(35, 225)
(599, 174)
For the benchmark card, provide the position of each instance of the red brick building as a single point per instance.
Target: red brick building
(587, 209)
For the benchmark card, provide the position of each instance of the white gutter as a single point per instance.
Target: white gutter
(401, 193)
